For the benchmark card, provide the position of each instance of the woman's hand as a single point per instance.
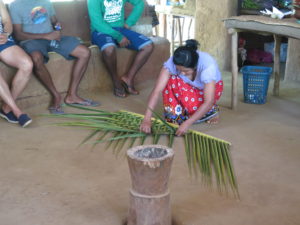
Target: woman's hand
(146, 126)
(183, 128)
(153, 99)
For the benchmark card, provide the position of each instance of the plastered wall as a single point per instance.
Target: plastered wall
(210, 30)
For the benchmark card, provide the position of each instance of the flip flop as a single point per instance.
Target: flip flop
(129, 89)
(214, 112)
(86, 102)
(56, 110)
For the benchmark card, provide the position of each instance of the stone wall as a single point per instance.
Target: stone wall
(210, 30)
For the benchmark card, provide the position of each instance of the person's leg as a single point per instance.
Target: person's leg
(38, 51)
(82, 55)
(174, 111)
(8, 99)
(109, 57)
(16, 57)
(144, 46)
(70, 48)
(44, 76)
(107, 46)
(140, 59)
(181, 100)
(218, 93)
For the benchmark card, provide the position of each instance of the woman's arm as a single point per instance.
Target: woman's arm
(6, 21)
(153, 99)
(209, 100)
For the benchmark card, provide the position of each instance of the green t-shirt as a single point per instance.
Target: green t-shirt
(106, 14)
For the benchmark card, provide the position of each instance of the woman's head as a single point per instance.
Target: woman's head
(187, 56)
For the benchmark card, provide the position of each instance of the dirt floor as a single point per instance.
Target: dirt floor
(47, 179)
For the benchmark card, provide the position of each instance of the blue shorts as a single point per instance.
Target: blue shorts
(10, 42)
(66, 46)
(137, 41)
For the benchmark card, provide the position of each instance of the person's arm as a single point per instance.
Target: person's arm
(209, 99)
(98, 23)
(54, 21)
(138, 7)
(6, 21)
(20, 35)
(153, 99)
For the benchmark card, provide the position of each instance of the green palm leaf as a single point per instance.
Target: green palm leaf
(205, 154)
(92, 134)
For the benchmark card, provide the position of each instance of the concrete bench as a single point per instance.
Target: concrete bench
(96, 76)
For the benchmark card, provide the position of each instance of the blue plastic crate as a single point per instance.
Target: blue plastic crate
(256, 83)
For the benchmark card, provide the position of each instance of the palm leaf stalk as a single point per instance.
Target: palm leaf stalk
(206, 155)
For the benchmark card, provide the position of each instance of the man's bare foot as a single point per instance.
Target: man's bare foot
(73, 99)
(128, 85)
(214, 120)
(78, 101)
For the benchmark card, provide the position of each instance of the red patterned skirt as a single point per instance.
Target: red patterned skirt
(181, 100)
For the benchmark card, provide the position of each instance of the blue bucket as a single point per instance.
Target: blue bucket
(256, 83)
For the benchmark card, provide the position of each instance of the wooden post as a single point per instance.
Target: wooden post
(172, 33)
(276, 67)
(180, 29)
(165, 26)
(150, 167)
(234, 68)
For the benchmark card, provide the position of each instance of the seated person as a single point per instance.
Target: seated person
(191, 83)
(110, 29)
(33, 27)
(14, 56)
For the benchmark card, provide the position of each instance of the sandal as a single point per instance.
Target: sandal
(120, 92)
(56, 110)
(214, 112)
(129, 89)
(85, 102)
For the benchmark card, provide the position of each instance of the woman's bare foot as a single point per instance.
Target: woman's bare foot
(214, 120)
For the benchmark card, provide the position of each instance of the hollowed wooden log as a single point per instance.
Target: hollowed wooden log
(150, 167)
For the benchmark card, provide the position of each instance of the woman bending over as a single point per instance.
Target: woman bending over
(191, 84)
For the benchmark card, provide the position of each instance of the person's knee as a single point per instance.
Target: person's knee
(148, 48)
(82, 52)
(24, 64)
(37, 59)
(109, 51)
(86, 52)
(27, 65)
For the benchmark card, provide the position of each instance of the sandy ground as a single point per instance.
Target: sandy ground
(47, 179)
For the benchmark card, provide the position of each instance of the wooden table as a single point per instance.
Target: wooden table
(261, 25)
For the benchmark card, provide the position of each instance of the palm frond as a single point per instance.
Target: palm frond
(205, 154)
(92, 134)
